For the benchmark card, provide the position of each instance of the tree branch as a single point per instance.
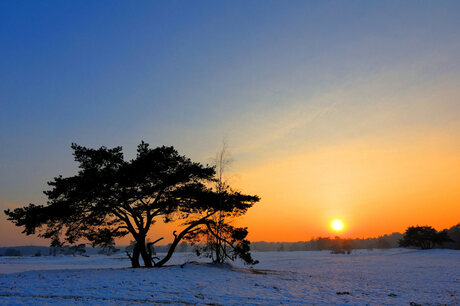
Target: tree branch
(181, 235)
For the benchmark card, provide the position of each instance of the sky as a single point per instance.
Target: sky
(330, 109)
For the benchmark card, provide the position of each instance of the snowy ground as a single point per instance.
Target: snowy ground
(395, 276)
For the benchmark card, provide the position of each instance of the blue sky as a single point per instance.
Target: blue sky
(274, 78)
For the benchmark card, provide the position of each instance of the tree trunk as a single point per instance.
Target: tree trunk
(135, 258)
(170, 251)
(146, 257)
(176, 241)
(140, 243)
(179, 237)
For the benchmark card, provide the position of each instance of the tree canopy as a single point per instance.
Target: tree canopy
(424, 237)
(110, 198)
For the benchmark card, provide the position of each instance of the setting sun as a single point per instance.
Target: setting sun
(337, 225)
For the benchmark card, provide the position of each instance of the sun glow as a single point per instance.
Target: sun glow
(337, 225)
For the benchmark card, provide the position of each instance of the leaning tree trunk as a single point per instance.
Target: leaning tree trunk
(178, 238)
(171, 250)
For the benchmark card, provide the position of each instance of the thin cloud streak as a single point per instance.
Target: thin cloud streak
(279, 127)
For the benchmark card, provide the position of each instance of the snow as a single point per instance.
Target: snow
(394, 276)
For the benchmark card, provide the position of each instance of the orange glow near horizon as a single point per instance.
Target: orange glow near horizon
(379, 187)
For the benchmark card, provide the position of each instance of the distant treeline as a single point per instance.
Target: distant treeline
(335, 244)
(32, 250)
(81, 250)
(338, 244)
(330, 243)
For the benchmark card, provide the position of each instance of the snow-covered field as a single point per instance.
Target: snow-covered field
(395, 276)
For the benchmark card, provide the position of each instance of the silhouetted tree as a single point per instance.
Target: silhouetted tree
(110, 198)
(454, 234)
(233, 243)
(222, 240)
(215, 247)
(424, 237)
(198, 220)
